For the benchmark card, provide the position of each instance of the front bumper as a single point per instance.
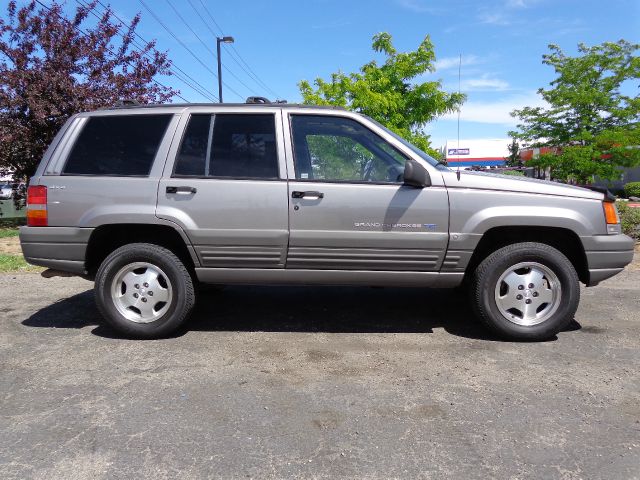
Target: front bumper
(607, 255)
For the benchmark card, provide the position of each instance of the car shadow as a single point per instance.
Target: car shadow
(299, 309)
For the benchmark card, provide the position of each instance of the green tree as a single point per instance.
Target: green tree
(588, 117)
(389, 93)
(513, 159)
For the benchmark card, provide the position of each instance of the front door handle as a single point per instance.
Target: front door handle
(182, 190)
(310, 194)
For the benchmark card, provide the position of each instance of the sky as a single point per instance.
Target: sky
(280, 42)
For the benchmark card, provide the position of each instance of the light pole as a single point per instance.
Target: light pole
(220, 40)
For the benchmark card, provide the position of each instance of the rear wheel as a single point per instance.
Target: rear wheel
(144, 291)
(526, 291)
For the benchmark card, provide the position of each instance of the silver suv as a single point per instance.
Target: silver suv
(151, 200)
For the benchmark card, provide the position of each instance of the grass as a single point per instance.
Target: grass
(9, 226)
(15, 263)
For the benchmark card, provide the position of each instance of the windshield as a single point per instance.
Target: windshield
(425, 156)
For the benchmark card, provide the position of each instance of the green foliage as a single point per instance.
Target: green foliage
(513, 173)
(630, 219)
(592, 122)
(387, 92)
(15, 263)
(8, 232)
(514, 160)
(632, 189)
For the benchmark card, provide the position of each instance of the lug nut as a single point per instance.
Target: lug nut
(527, 301)
(146, 285)
(531, 285)
(518, 297)
(144, 300)
(150, 293)
(520, 287)
(135, 295)
(535, 294)
(136, 286)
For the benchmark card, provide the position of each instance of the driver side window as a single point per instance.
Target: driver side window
(336, 149)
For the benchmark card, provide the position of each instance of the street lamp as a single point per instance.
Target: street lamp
(219, 41)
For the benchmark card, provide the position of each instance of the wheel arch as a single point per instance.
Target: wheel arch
(562, 239)
(107, 238)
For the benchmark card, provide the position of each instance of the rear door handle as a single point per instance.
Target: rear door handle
(310, 194)
(182, 190)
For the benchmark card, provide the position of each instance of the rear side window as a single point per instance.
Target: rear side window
(229, 146)
(117, 145)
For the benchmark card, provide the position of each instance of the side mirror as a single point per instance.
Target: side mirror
(415, 175)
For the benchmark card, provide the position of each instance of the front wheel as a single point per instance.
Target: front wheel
(144, 291)
(526, 291)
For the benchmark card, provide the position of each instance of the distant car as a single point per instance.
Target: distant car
(149, 201)
(6, 191)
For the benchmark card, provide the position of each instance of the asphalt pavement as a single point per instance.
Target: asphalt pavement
(275, 382)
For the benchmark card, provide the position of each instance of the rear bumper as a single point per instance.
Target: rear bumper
(60, 248)
(607, 255)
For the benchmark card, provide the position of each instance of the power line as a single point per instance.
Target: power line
(182, 76)
(110, 50)
(209, 49)
(248, 70)
(175, 37)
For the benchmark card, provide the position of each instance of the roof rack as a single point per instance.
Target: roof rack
(262, 101)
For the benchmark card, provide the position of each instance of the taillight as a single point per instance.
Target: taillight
(37, 206)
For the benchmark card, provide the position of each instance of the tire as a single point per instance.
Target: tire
(505, 301)
(125, 296)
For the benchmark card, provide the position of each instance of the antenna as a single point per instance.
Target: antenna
(458, 142)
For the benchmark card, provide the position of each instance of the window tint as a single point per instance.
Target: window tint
(229, 145)
(341, 149)
(117, 145)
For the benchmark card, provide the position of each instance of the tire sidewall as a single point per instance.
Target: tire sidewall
(169, 264)
(551, 258)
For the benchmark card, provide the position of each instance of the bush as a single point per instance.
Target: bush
(630, 219)
(515, 173)
(632, 189)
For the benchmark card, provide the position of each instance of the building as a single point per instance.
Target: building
(476, 153)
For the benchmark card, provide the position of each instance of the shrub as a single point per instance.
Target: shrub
(632, 189)
(515, 173)
(630, 219)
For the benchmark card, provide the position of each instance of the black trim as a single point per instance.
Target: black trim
(201, 177)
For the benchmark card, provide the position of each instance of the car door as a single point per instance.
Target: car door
(225, 185)
(348, 207)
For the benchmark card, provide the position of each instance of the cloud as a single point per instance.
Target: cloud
(497, 112)
(516, 4)
(483, 83)
(419, 7)
(497, 18)
(446, 63)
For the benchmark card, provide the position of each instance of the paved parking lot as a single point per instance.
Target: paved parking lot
(278, 382)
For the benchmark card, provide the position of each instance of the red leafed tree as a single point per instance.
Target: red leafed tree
(52, 67)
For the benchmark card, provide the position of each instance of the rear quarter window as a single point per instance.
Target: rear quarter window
(123, 145)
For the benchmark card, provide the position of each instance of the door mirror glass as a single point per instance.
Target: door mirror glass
(415, 175)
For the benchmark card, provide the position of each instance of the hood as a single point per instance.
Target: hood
(508, 183)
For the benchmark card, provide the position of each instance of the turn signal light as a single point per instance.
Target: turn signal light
(37, 206)
(610, 213)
